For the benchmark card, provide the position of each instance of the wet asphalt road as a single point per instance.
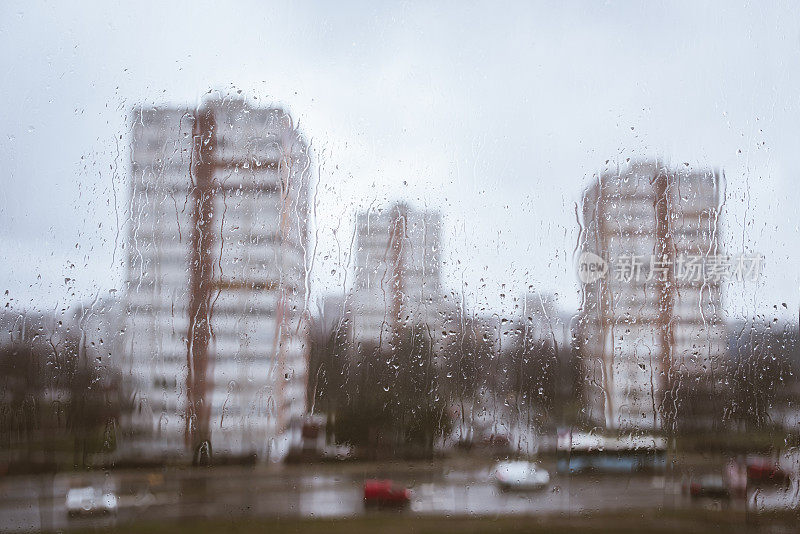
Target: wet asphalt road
(38, 503)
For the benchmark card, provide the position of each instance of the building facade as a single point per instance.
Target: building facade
(651, 323)
(397, 281)
(216, 278)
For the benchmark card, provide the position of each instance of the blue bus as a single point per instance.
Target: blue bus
(579, 452)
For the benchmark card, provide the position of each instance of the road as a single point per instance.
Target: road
(38, 502)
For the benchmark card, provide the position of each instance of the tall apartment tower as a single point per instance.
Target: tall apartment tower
(216, 278)
(651, 322)
(397, 272)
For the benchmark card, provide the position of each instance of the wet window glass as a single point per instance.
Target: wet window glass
(439, 267)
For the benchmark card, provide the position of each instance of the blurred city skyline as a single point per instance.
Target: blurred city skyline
(411, 264)
(498, 122)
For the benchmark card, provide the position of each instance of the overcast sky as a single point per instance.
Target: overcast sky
(496, 114)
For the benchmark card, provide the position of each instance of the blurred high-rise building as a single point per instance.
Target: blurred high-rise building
(397, 273)
(650, 315)
(216, 278)
(541, 319)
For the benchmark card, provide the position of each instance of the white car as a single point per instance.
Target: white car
(520, 475)
(774, 499)
(90, 501)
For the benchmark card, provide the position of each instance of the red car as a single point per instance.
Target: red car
(385, 493)
(762, 470)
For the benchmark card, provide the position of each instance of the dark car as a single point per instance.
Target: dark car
(711, 486)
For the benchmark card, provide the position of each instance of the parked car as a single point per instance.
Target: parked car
(520, 475)
(90, 501)
(711, 486)
(765, 471)
(385, 493)
(497, 440)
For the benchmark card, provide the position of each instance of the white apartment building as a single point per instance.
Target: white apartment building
(397, 273)
(214, 344)
(647, 322)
